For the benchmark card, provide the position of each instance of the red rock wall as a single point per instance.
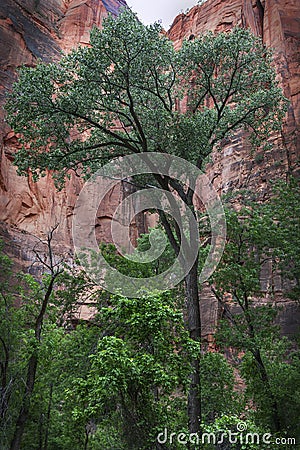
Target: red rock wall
(32, 29)
(29, 30)
(278, 23)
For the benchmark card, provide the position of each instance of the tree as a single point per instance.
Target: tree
(10, 336)
(269, 363)
(140, 368)
(44, 295)
(64, 355)
(38, 357)
(283, 233)
(120, 95)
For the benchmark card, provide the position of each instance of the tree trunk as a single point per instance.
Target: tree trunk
(194, 327)
(265, 379)
(48, 417)
(192, 297)
(32, 366)
(25, 407)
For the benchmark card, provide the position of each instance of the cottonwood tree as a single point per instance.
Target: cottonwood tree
(120, 96)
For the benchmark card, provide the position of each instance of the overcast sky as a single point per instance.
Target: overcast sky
(150, 11)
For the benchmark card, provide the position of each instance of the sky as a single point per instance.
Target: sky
(150, 11)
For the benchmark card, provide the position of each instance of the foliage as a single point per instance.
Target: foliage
(268, 362)
(217, 388)
(282, 365)
(116, 381)
(284, 234)
(141, 361)
(20, 300)
(231, 433)
(130, 76)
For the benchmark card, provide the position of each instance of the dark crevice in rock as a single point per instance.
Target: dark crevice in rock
(261, 12)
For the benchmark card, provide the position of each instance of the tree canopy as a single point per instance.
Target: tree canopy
(122, 95)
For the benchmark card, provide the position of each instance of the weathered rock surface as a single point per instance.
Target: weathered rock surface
(33, 29)
(278, 23)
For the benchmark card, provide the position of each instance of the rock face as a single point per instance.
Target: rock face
(40, 29)
(32, 30)
(277, 22)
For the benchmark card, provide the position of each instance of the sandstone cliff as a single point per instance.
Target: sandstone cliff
(33, 29)
(278, 23)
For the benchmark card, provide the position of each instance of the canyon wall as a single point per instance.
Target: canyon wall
(277, 22)
(41, 29)
(31, 30)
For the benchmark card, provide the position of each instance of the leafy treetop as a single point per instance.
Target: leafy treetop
(120, 95)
